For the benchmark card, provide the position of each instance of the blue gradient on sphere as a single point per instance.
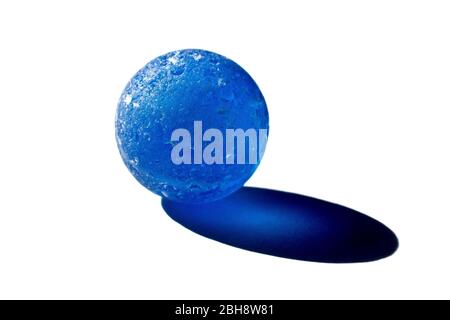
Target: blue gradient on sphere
(171, 92)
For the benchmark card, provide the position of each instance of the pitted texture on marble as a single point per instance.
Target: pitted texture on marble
(170, 92)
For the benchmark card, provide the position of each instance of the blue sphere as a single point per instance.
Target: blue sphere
(186, 125)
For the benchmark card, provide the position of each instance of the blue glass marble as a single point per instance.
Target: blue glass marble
(171, 92)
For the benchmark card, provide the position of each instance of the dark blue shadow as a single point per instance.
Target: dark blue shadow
(287, 225)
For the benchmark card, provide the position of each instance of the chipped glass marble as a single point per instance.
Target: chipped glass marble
(171, 92)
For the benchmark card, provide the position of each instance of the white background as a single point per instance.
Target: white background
(358, 95)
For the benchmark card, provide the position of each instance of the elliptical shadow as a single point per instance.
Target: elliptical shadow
(287, 225)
